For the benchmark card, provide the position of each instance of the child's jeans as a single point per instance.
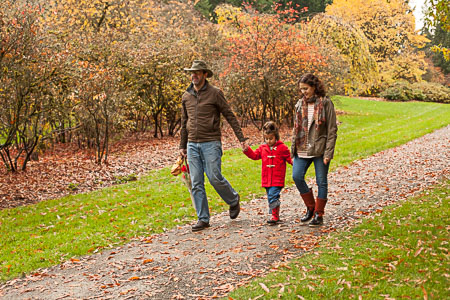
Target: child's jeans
(273, 196)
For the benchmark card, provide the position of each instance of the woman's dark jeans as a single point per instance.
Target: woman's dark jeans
(299, 169)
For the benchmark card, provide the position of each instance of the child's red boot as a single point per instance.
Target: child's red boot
(275, 216)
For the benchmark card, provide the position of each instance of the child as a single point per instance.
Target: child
(274, 155)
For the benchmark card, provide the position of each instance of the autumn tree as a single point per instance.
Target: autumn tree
(440, 39)
(437, 28)
(441, 12)
(145, 44)
(313, 7)
(27, 67)
(437, 13)
(389, 28)
(156, 84)
(263, 58)
(154, 70)
(96, 34)
(353, 46)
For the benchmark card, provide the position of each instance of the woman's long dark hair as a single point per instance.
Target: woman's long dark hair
(315, 82)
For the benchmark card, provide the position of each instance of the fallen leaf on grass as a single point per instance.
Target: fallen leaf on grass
(425, 294)
(418, 251)
(264, 287)
(392, 267)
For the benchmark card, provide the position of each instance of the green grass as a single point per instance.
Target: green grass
(53, 231)
(373, 126)
(401, 253)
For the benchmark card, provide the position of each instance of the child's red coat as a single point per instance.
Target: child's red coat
(273, 171)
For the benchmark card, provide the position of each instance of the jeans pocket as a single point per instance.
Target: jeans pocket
(212, 153)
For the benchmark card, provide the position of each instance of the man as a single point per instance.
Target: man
(202, 105)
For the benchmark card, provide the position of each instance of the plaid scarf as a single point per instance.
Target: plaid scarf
(301, 121)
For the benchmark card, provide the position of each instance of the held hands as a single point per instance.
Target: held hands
(244, 145)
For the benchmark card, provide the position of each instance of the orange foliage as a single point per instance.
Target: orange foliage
(264, 55)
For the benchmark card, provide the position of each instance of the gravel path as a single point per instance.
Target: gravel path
(180, 264)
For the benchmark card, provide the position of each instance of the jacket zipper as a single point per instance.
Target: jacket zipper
(196, 115)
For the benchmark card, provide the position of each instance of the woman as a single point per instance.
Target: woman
(314, 139)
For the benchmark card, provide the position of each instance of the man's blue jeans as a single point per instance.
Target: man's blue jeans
(273, 196)
(299, 169)
(207, 158)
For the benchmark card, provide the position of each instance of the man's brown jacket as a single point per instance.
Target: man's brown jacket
(200, 115)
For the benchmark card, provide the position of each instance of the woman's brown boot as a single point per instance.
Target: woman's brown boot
(320, 211)
(308, 198)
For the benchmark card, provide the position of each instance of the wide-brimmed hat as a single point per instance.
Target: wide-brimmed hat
(200, 65)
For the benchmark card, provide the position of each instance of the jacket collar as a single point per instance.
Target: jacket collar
(313, 99)
(278, 143)
(192, 91)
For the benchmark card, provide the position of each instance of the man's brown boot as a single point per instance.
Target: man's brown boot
(235, 210)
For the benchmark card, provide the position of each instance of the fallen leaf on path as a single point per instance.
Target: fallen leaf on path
(134, 278)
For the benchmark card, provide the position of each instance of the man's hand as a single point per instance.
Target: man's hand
(183, 152)
(326, 160)
(244, 145)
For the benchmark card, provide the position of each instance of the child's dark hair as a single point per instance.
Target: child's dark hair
(271, 128)
(315, 82)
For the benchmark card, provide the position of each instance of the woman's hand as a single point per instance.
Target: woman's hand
(326, 160)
